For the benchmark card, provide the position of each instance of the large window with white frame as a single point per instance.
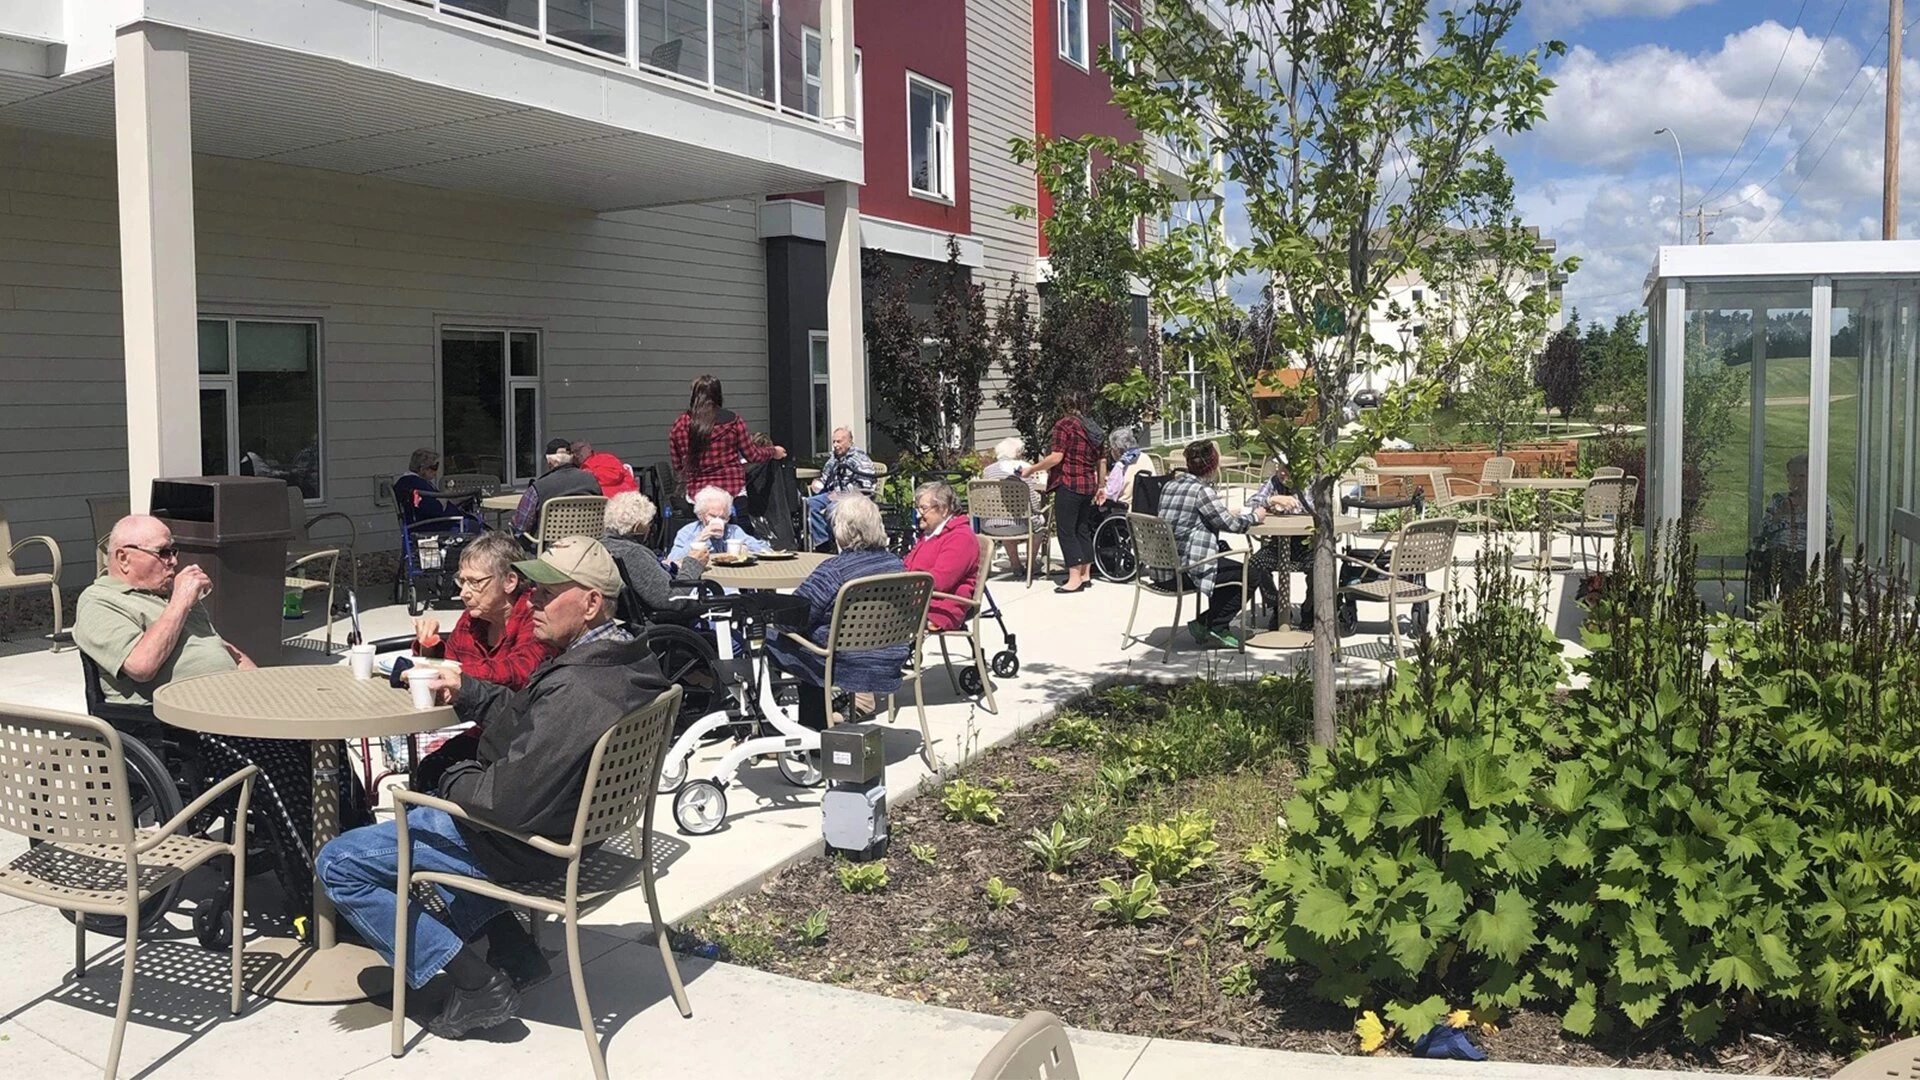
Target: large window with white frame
(1071, 19)
(929, 139)
(818, 388)
(1201, 415)
(1119, 24)
(260, 400)
(490, 407)
(812, 60)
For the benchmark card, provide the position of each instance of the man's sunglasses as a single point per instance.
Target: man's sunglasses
(165, 554)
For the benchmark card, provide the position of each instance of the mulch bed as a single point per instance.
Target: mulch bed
(933, 936)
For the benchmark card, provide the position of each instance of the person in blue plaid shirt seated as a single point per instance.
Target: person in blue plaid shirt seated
(1198, 516)
(847, 469)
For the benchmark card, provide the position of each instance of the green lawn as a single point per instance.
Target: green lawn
(1724, 514)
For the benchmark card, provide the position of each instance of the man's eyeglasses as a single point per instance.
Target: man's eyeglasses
(165, 554)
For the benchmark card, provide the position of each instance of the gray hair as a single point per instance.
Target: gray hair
(495, 552)
(857, 525)
(941, 494)
(711, 494)
(1012, 448)
(1123, 439)
(424, 458)
(629, 512)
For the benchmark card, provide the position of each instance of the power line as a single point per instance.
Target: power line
(1808, 175)
(1788, 111)
(1755, 118)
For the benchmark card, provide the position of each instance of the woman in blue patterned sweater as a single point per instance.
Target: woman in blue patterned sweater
(862, 542)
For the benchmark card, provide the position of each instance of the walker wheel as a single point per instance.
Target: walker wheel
(700, 807)
(970, 682)
(213, 922)
(801, 768)
(672, 774)
(1006, 663)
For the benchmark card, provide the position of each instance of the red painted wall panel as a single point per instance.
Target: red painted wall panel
(1070, 101)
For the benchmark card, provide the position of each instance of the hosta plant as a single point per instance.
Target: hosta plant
(1170, 850)
(1136, 901)
(1055, 848)
(971, 802)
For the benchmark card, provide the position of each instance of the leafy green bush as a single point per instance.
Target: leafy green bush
(1137, 901)
(813, 929)
(1170, 850)
(1072, 731)
(925, 853)
(1055, 848)
(971, 802)
(1723, 818)
(863, 877)
(1000, 894)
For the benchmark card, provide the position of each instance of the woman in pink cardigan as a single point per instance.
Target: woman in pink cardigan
(948, 550)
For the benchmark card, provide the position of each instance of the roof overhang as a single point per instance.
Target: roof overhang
(1803, 261)
(808, 221)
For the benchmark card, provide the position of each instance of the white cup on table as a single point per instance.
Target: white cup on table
(360, 658)
(420, 680)
(736, 548)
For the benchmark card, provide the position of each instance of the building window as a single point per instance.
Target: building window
(260, 400)
(929, 139)
(1202, 415)
(1071, 15)
(818, 387)
(490, 402)
(1418, 295)
(1120, 21)
(811, 61)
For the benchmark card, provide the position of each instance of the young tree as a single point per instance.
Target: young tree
(1016, 338)
(1361, 134)
(927, 408)
(1563, 371)
(965, 339)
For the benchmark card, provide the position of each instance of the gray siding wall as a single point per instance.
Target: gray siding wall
(1000, 95)
(630, 306)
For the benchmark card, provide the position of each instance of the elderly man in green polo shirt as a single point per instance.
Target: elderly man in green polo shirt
(143, 622)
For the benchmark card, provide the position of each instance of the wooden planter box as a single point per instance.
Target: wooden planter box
(1556, 458)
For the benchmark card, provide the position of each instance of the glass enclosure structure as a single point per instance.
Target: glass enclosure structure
(1781, 406)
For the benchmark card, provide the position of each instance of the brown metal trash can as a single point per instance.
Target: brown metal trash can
(236, 529)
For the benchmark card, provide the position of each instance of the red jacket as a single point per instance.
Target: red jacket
(952, 556)
(613, 474)
(509, 663)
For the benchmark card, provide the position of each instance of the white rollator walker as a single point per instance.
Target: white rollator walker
(879, 612)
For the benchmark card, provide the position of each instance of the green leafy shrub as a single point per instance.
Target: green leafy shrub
(1135, 902)
(1000, 894)
(1081, 815)
(1117, 779)
(1073, 731)
(1720, 821)
(1043, 763)
(1170, 850)
(925, 853)
(813, 929)
(863, 877)
(1238, 981)
(1056, 847)
(971, 802)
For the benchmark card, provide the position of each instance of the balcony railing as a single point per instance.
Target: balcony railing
(767, 52)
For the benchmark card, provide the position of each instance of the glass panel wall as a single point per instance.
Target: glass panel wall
(1871, 434)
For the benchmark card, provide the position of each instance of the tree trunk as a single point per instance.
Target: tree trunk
(1326, 611)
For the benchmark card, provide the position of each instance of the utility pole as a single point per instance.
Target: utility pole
(1890, 178)
(1700, 214)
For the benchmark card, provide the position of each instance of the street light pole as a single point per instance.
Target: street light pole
(1680, 220)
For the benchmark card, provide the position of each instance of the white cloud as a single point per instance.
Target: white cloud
(1558, 14)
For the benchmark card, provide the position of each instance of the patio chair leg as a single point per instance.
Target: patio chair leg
(239, 924)
(580, 1005)
(926, 734)
(403, 892)
(660, 932)
(79, 948)
(126, 992)
(986, 676)
(946, 662)
(1126, 636)
(1179, 601)
(59, 625)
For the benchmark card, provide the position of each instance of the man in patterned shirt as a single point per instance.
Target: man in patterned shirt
(1199, 516)
(848, 468)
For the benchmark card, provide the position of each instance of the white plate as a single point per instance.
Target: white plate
(384, 664)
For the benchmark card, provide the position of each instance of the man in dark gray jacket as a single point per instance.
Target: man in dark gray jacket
(527, 776)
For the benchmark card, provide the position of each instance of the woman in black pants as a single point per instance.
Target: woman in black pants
(1076, 465)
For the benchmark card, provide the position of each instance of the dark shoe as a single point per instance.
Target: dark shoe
(473, 1010)
(522, 961)
(1082, 587)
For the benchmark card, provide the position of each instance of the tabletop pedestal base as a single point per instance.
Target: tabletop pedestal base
(1281, 639)
(304, 975)
(1534, 562)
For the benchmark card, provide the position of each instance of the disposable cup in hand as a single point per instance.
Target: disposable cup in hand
(360, 658)
(736, 548)
(420, 681)
(698, 547)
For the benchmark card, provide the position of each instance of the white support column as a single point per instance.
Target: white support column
(836, 63)
(846, 334)
(159, 293)
(1671, 385)
(1819, 418)
(1757, 424)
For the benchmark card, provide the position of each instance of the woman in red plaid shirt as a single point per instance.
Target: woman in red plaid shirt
(709, 446)
(1075, 463)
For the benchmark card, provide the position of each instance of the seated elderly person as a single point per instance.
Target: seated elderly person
(648, 590)
(1010, 463)
(418, 495)
(1277, 496)
(527, 775)
(1123, 448)
(862, 542)
(949, 550)
(144, 625)
(1198, 516)
(708, 534)
(564, 476)
(493, 639)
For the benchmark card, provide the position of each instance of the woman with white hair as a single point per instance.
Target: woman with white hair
(861, 538)
(1010, 462)
(708, 534)
(649, 588)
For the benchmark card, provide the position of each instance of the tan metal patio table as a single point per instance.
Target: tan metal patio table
(1542, 558)
(320, 705)
(504, 503)
(1288, 526)
(767, 573)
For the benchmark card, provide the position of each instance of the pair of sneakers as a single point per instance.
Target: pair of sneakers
(517, 964)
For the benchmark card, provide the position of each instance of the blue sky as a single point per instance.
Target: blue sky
(1595, 177)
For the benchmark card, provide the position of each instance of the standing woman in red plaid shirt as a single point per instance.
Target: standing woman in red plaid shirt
(1075, 463)
(709, 446)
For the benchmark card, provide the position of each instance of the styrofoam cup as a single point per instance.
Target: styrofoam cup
(736, 548)
(360, 658)
(420, 681)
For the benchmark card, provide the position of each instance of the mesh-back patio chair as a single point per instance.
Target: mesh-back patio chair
(1012, 500)
(312, 566)
(570, 515)
(1035, 1049)
(616, 801)
(880, 612)
(1159, 559)
(13, 579)
(64, 787)
(1606, 472)
(1453, 494)
(1377, 493)
(970, 629)
(1894, 1061)
(466, 483)
(1603, 503)
(1421, 548)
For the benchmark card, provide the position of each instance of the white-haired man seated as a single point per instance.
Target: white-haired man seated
(708, 534)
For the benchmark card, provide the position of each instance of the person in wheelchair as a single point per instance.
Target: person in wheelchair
(143, 625)
(418, 495)
(651, 592)
(861, 539)
(1129, 462)
(708, 534)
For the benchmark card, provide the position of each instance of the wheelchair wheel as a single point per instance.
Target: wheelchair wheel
(213, 921)
(416, 603)
(1113, 556)
(700, 807)
(1006, 663)
(801, 768)
(970, 684)
(155, 799)
(688, 660)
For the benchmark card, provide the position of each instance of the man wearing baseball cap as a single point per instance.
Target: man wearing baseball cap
(564, 476)
(527, 776)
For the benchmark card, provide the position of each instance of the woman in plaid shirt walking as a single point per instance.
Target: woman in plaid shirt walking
(709, 446)
(1075, 462)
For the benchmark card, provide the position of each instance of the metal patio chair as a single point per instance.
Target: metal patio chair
(1894, 1061)
(1159, 557)
(1423, 547)
(105, 511)
(970, 630)
(1452, 493)
(1012, 500)
(1035, 1049)
(1603, 502)
(616, 800)
(880, 612)
(64, 783)
(570, 515)
(13, 580)
(303, 552)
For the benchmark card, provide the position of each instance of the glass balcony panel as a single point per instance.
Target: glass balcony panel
(600, 25)
(524, 13)
(673, 37)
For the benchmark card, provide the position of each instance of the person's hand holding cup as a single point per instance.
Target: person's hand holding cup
(190, 585)
(425, 629)
(432, 686)
(698, 550)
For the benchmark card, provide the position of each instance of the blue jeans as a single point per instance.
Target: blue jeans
(817, 507)
(361, 868)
